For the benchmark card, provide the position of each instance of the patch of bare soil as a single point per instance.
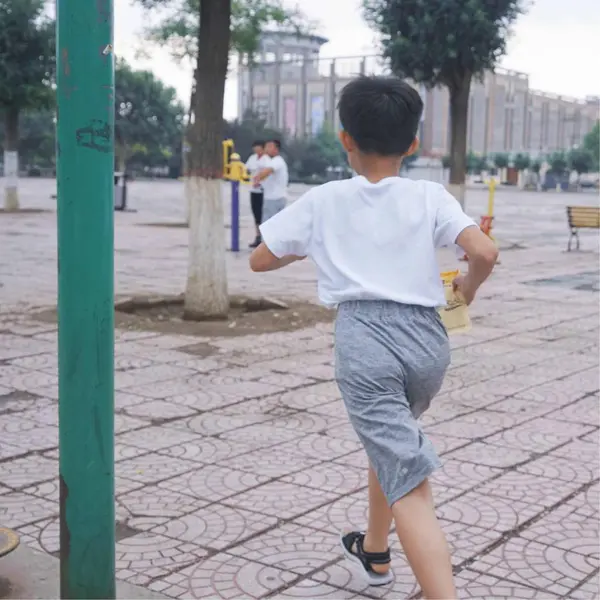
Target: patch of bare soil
(247, 316)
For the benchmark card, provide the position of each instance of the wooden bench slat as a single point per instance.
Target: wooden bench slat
(584, 217)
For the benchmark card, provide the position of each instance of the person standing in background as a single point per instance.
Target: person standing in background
(257, 161)
(274, 179)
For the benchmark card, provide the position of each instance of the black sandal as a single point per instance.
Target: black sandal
(352, 545)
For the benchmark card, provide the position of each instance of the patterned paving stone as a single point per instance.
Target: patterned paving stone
(587, 502)
(480, 586)
(262, 435)
(552, 394)
(156, 501)
(585, 450)
(456, 477)
(482, 453)
(357, 459)
(269, 405)
(585, 411)
(26, 471)
(488, 512)
(320, 447)
(157, 410)
(544, 567)
(290, 548)
(306, 422)
(206, 450)
(331, 477)
(214, 483)
(311, 396)
(590, 590)
(466, 541)
(146, 556)
(308, 588)
(475, 425)
(223, 576)
(528, 488)
(18, 509)
(539, 435)
(43, 535)
(521, 410)
(153, 467)
(567, 529)
(271, 462)
(553, 466)
(214, 423)
(217, 527)
(343, 575)
(15, 401)
(156, 438)
(444, 444)
(281, 499)
(346, 514)
(334, 409)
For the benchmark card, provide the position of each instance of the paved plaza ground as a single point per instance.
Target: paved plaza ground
(236, 470)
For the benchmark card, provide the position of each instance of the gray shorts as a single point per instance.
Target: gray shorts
(390, 361)
(271, 208)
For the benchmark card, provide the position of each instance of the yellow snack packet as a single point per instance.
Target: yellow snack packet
(455, 315)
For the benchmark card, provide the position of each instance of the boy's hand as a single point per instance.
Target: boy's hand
(464, 286)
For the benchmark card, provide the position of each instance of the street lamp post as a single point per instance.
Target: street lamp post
(85, 166)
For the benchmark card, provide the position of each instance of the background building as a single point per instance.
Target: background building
(296, 91)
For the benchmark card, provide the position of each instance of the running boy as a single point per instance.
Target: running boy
(373, 239)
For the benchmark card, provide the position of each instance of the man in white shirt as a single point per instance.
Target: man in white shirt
(257, 161)
(274, 179)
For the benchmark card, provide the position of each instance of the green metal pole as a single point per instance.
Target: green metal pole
(85, 155)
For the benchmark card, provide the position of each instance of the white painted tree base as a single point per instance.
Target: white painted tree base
(458, 191)
(11, 199)
(206, 294)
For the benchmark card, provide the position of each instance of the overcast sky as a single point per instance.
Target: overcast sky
(557, 43)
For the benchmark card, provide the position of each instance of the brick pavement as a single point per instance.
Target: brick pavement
(236, 471)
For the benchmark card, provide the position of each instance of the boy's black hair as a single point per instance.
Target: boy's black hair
(275, 141)
(260, 143)
(381, 114)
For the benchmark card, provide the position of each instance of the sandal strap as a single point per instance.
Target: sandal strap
(367, 558)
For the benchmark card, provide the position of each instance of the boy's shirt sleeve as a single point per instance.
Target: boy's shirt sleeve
(450, 219)
(289, 232)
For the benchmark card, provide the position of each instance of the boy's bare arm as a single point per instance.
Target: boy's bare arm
(262, 259)
(482, 255)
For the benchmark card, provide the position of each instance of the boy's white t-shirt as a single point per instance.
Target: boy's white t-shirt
(275, 185)
(371, 240)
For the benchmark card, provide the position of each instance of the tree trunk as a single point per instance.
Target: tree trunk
(206, 295)
(11, 159)
(459, 111)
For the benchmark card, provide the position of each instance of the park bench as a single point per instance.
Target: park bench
(581, 217)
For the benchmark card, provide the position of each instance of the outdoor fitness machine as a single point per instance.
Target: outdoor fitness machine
(85, 96)
(235, 171)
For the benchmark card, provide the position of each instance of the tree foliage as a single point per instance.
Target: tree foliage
(444, 42)
(26, 55)
(501, 160)
(180, 25)
(522, 162)
(580, 160)
(148, 117)
(558, 163)
(591, 143)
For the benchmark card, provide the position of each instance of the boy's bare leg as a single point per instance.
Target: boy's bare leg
(380, 521)
(424, 543)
